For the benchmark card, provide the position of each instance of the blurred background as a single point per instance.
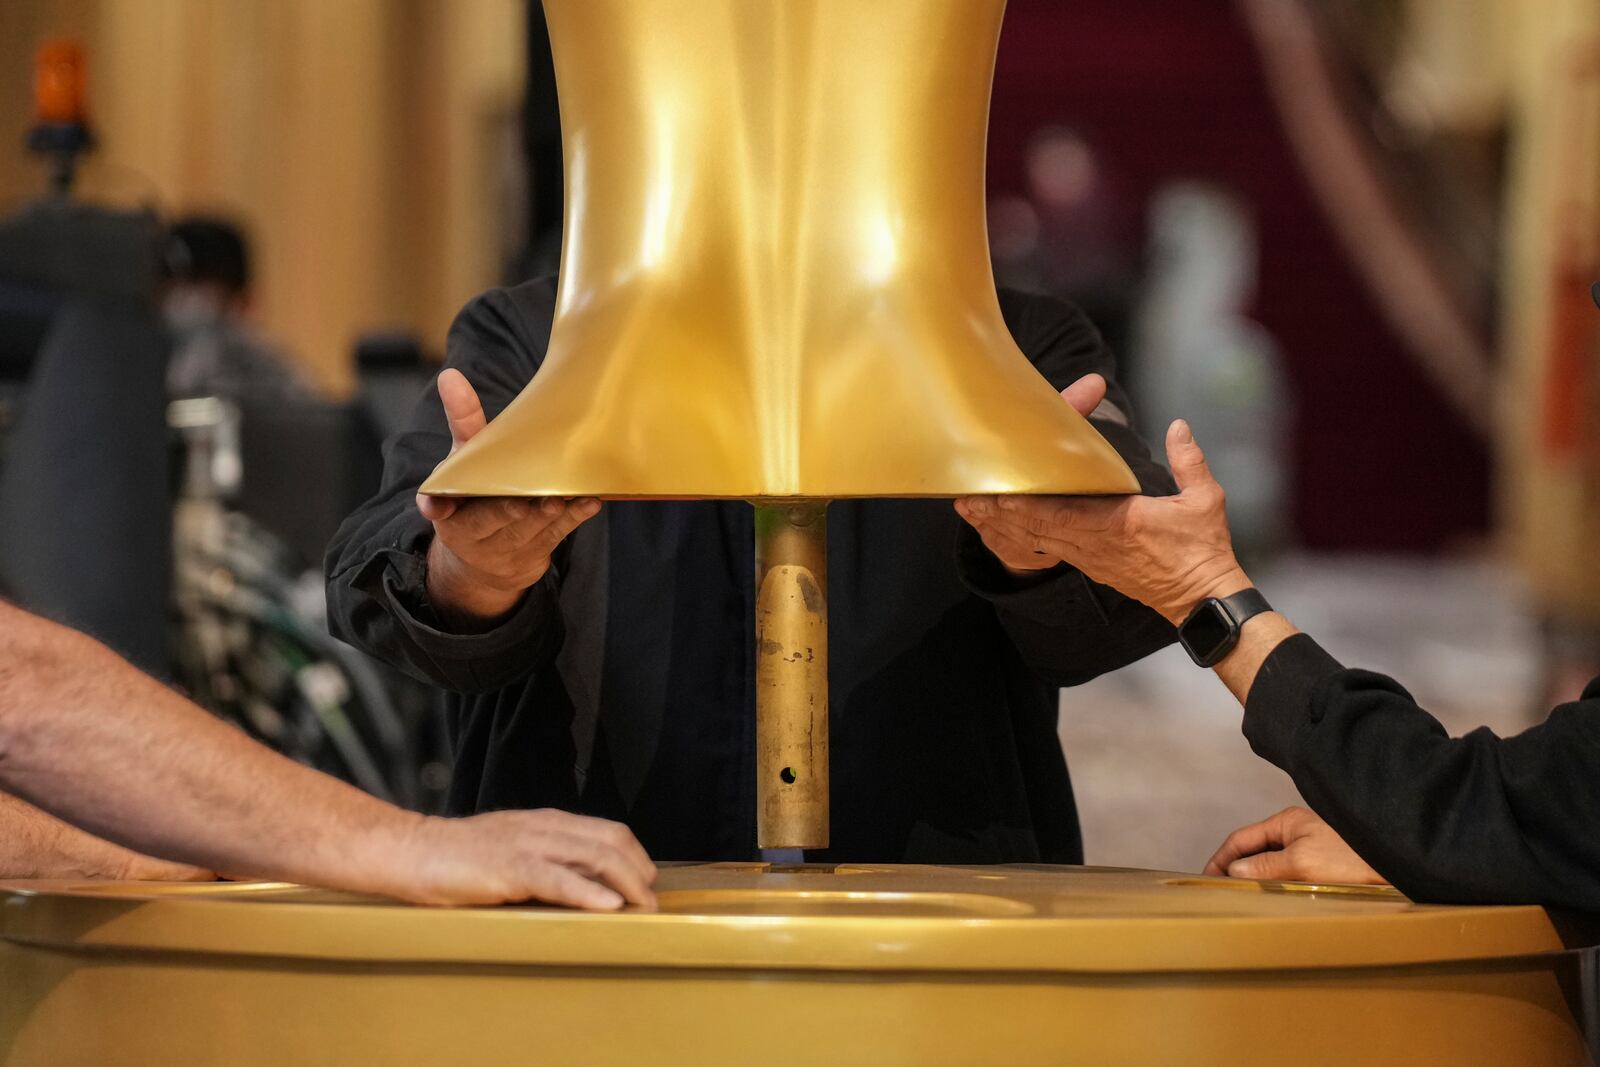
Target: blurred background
(1350, 240)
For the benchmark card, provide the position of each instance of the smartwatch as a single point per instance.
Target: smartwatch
(1212, 629)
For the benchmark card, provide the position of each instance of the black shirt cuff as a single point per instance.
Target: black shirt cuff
(1057, 595)
(1282, 698)
(405, 589)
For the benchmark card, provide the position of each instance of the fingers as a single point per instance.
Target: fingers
(1085, 394)
(621, 838)
(1026, 516)
(1012, 551)
(555, 884)
(505, 523)
(1188, 463)
(1247, 841)
(141, 868)
(480, 519)
(462, 409)
(1061, 514)
(604, 852)
(603, 861)
(1280, 866)
(512, 856)
(1009, 541)
(553, 521)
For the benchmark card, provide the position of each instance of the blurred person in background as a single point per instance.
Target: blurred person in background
(1200, 355)
(1068, 233)
(1475, 819)
(102, 746)
(206, 298)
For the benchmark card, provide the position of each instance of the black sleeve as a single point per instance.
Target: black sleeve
(1066, 627)
(1475, 819)
(376, 565)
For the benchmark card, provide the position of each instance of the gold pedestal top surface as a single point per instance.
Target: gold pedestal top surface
(849, 917)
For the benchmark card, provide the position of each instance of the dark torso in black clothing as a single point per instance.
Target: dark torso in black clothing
(624, 685)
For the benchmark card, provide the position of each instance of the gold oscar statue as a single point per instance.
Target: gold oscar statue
(775, 286)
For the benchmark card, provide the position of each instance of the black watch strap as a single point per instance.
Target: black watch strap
(1212, 629)
(1245, 605)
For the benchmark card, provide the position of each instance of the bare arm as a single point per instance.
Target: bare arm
(93, 741)
(34, 844)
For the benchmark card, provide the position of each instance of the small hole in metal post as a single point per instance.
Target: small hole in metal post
(788, 775)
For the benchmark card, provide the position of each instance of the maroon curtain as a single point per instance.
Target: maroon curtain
(1170, 89)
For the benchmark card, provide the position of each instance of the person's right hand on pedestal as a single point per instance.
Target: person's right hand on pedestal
(486, 553)
(507, 857)
(1294, 845)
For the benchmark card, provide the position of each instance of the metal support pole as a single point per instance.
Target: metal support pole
(792, 674)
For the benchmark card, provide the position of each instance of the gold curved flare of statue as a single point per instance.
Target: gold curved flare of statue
(775, 280)
(775, 286)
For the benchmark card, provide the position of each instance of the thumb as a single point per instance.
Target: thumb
(461, 407)
(1188, 463)
(1275, 866)
(1085, 394)
(436, 508)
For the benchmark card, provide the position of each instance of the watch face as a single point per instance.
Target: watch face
(1207, 632)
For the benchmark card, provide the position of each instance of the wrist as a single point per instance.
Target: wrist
(389, 857)
(462, 601)
(1221, 581)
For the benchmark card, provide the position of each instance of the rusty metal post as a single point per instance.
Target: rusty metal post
(792, 674)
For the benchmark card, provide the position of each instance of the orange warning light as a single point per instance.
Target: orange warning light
(59, 89)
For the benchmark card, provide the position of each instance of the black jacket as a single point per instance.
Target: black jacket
(1475, 819)
(624, 685)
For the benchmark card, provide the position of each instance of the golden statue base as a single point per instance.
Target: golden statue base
(748, 964)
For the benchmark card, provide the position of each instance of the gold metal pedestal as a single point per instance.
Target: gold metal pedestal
(748, 964)
(792, 675)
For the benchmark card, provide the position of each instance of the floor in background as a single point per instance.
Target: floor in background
(1161, 771)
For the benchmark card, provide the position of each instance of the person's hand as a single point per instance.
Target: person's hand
(1168, 552)
(137, 867)
(487, 553)
(1294, 845)
(1083, 395)
(506, 857)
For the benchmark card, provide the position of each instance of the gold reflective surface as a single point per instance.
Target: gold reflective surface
(855, 964)
(792, 676)
(775, 277)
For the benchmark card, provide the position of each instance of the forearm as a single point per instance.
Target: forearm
(34, 844)
(1257, 640)
(95, 742)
